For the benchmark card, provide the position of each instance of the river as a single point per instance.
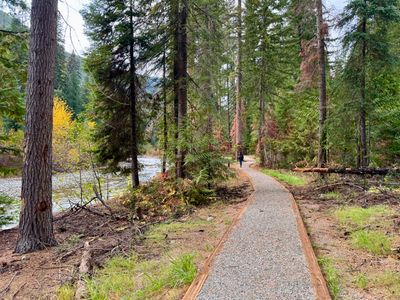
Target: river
(66, 189)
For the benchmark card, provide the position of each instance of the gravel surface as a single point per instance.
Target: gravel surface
(263, 257)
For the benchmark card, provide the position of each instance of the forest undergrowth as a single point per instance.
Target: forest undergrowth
(153, 247)
(353, 224)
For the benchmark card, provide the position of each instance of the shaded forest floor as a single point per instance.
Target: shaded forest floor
(354, 227)
(40, 275)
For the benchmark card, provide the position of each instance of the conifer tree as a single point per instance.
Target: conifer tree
(366, 38)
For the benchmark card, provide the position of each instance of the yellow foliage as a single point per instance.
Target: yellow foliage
(62, 118)
(62, 131)
(91, 124)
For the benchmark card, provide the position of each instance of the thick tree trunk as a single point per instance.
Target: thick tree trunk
(322, 151)
(363, 113)
(239, 75)
(181, 84)
(165, 124)
(133, 100)
(36, 218)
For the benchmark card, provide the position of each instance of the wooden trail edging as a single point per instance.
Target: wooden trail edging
(196, 286)
(317, 278)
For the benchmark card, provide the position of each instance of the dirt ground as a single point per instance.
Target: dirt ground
(38, 275)
(331, 240)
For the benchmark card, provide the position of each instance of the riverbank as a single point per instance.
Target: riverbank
(155, 241)
(67, 187)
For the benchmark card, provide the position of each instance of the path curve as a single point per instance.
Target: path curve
(263, 257)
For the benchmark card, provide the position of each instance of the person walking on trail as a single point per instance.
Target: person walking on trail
(241, 158)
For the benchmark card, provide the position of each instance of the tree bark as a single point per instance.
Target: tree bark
(239, 75)
(36, 217)
(322, 151)
(133, 100)
(363, 113)
(228, 99)
(181, 84)
(261, 125)
(165, 124)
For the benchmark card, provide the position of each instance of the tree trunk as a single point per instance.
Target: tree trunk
(239, 104)
(322, 151)
(363, 113)
(36, 217)
(165, 125)
(133, 100)
(228, 99)
(261, 125)
(181, 84)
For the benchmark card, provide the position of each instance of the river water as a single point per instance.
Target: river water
(66, 187)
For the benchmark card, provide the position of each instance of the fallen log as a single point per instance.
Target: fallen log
(84, 269)
(351, 171)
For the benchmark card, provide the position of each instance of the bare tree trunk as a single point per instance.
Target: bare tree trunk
(363, 113)
(239, 75)
(36, 218)
(165, 125)
(181, 84)
(208, 83)
(322, 151)
(261, 125)
(133, 100)
(228, 99)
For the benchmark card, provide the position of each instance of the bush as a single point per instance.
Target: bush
(166, 196)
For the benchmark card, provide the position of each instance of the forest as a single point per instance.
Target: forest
(308, 93)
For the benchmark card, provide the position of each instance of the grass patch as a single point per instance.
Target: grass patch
(128, 278)
(331, 196)
(286, 177)
(361, 281)
(389, 280)
(158, 233)
(374, 242)
(331, 276)
(357, 216)
(66, 292)
(183, 270)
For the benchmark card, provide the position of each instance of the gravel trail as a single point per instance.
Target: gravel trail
(263, 258)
